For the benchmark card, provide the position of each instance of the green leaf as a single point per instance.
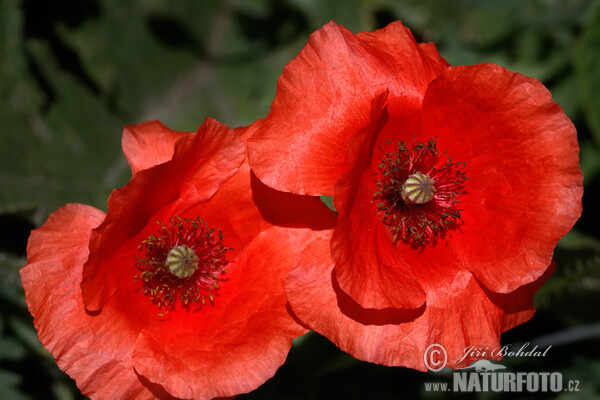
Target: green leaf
(583, 277)
(10, 281)
(64, 155)
(590, 161)
(576, 240)
(8, 385)
(11, 350)
(353, 14)
(26, 334)
(328, 200)
(585, 371)
(587, 62)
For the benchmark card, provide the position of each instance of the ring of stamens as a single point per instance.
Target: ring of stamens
(418, 193)
(182, 264)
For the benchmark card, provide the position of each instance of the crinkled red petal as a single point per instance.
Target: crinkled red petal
(201, 164)
(236, 344)
(368, 266)
(324, 96)
(93, 350)
(458, 313)
(148, 144)
(525, 186)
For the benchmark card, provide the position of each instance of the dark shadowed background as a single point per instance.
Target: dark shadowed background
(73, 73)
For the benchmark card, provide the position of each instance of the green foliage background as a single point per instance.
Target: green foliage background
(73, 73)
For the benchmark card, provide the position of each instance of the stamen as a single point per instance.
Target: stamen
(418, 193)
(182, 265)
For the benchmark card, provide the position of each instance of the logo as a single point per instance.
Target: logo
(484, 366)
(484, 375)
(435, 357)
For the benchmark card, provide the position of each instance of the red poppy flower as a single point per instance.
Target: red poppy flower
(178, 290)
(452, 184)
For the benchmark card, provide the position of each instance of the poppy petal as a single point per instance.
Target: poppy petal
(458, 313)
(324, 96)
(239, 342)
(92, 350)
(148, 144)
(243, 207)
(288, 209)
(368, 267)
(524, 184)
(202, 163)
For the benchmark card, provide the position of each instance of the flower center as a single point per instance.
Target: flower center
(417, 193)
(182, 264)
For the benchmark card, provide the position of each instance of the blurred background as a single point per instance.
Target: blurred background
(73, 73)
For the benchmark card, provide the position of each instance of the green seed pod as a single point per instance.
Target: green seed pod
(182, 261)
(418, 189)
